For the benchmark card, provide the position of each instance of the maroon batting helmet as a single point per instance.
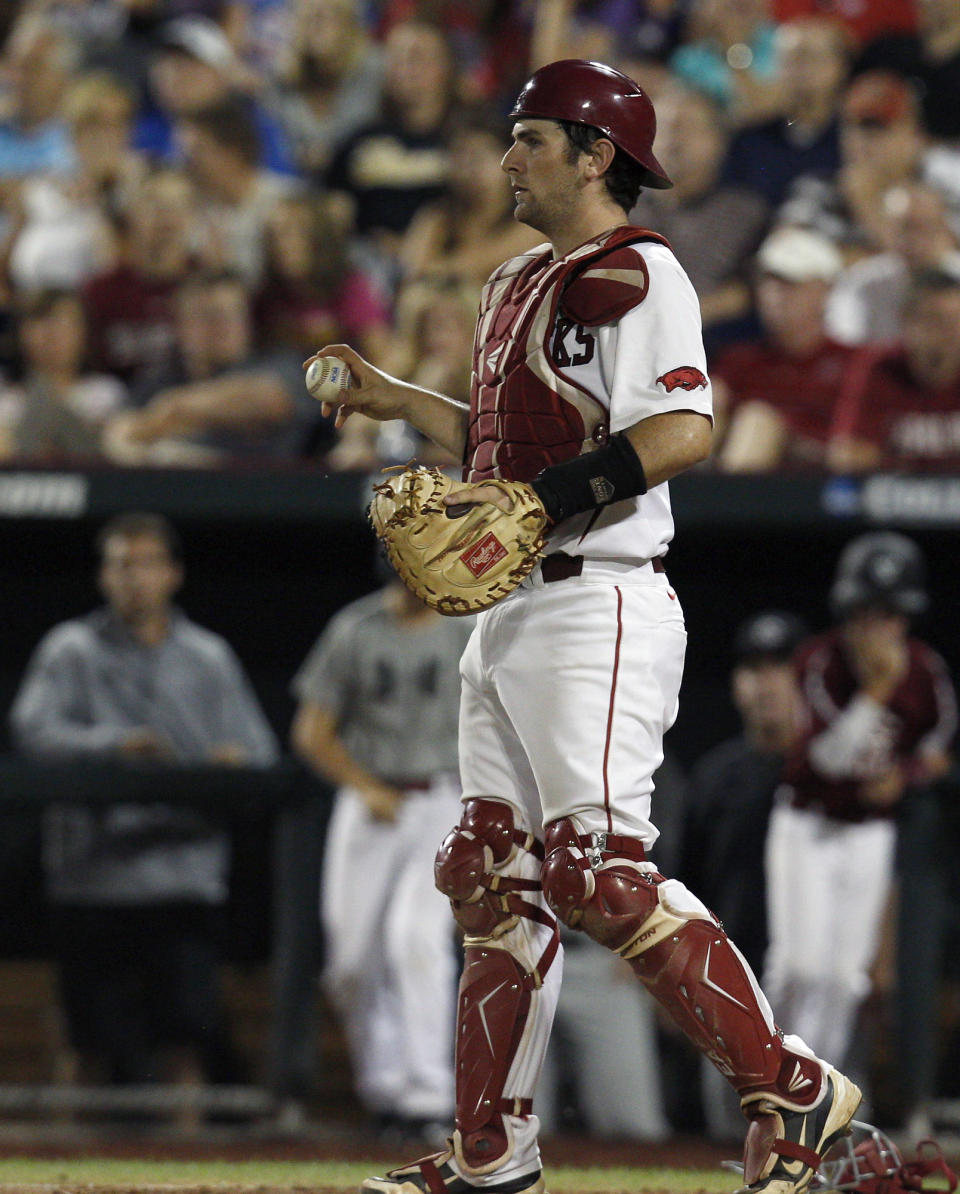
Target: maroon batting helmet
(590, 93)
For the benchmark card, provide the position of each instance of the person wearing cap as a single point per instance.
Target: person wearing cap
(900, 406)
(194, 67)
(590, 389)
(780, 390)
(727, 805)
(882, 143)
(866, 303)
(878, 719)
(931, 56)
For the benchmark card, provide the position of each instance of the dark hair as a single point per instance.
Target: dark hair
(230, 123)
(624, 178)
(137, 523)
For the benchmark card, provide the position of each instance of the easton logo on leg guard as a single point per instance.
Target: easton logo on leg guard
(684, 378)
(483, 555)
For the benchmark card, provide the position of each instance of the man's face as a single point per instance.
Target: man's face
(138, 577)
(162, 215)
(786, 306)
(228, 323)
(931, 336)
(764, 692)
(55, 340)
(690, 141)
(545, 183)
(810, 60)
(891, 150)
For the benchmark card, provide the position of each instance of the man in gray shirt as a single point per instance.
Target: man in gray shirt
(379, 697)
(135, 887)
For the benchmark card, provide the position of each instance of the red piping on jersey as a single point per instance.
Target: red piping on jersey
(613, 693)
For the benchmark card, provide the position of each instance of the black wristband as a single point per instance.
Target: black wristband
(609, 474)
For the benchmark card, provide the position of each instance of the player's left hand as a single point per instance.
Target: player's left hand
(475, 495)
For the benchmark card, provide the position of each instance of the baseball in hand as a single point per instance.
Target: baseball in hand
(327, 378)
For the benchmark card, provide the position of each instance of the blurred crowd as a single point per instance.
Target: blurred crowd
(196, 194)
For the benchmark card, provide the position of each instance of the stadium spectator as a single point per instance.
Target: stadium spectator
(929, 58)
(713, 228)
(331, 82)
(376, 716)
(612, 30)
(864, 20)
(195, 67)
(729, 52)
(780, 391)
(727, 806)
(490, 39)
(470, 230)
(882, 143)
(224, 400)
(36, 64)
(312, 293)
(866, 303)
(389, 168)
(68, 229)
(135, 890)
(900, 407)
(56, 411)
(435, 323)
(812, 64)
(129, 307)
(236, 195)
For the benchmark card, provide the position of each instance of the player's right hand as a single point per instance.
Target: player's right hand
(382, 801)
(374, 393)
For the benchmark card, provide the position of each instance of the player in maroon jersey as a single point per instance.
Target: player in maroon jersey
(880, 716)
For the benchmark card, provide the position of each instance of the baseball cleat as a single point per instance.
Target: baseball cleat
(784, 1148)
(436, 1175)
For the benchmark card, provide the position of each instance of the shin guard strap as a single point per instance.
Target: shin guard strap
(432, 1177)
(796, 1152)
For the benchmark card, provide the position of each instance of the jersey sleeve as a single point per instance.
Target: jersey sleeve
(326, 676)
(653, 357)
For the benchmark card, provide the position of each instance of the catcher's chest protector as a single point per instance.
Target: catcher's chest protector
(525, 414)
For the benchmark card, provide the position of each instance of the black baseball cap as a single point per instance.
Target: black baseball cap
(771, 634)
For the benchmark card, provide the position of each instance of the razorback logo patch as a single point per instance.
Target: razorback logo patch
(482, 556)
(684, 378)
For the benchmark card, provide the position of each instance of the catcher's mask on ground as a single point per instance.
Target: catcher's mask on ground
(869, 1162)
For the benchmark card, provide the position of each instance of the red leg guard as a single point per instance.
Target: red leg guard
(680, 952)
(492, 1012)
(702, 981)
(489, 868)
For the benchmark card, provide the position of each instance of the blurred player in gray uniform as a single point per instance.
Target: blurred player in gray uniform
(379, 695)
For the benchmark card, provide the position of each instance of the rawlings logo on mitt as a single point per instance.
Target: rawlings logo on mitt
(462, 564)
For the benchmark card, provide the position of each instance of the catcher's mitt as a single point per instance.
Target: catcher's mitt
(456, 565)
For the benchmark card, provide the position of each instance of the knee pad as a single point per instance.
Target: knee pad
(600, 883)
(473, 864)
